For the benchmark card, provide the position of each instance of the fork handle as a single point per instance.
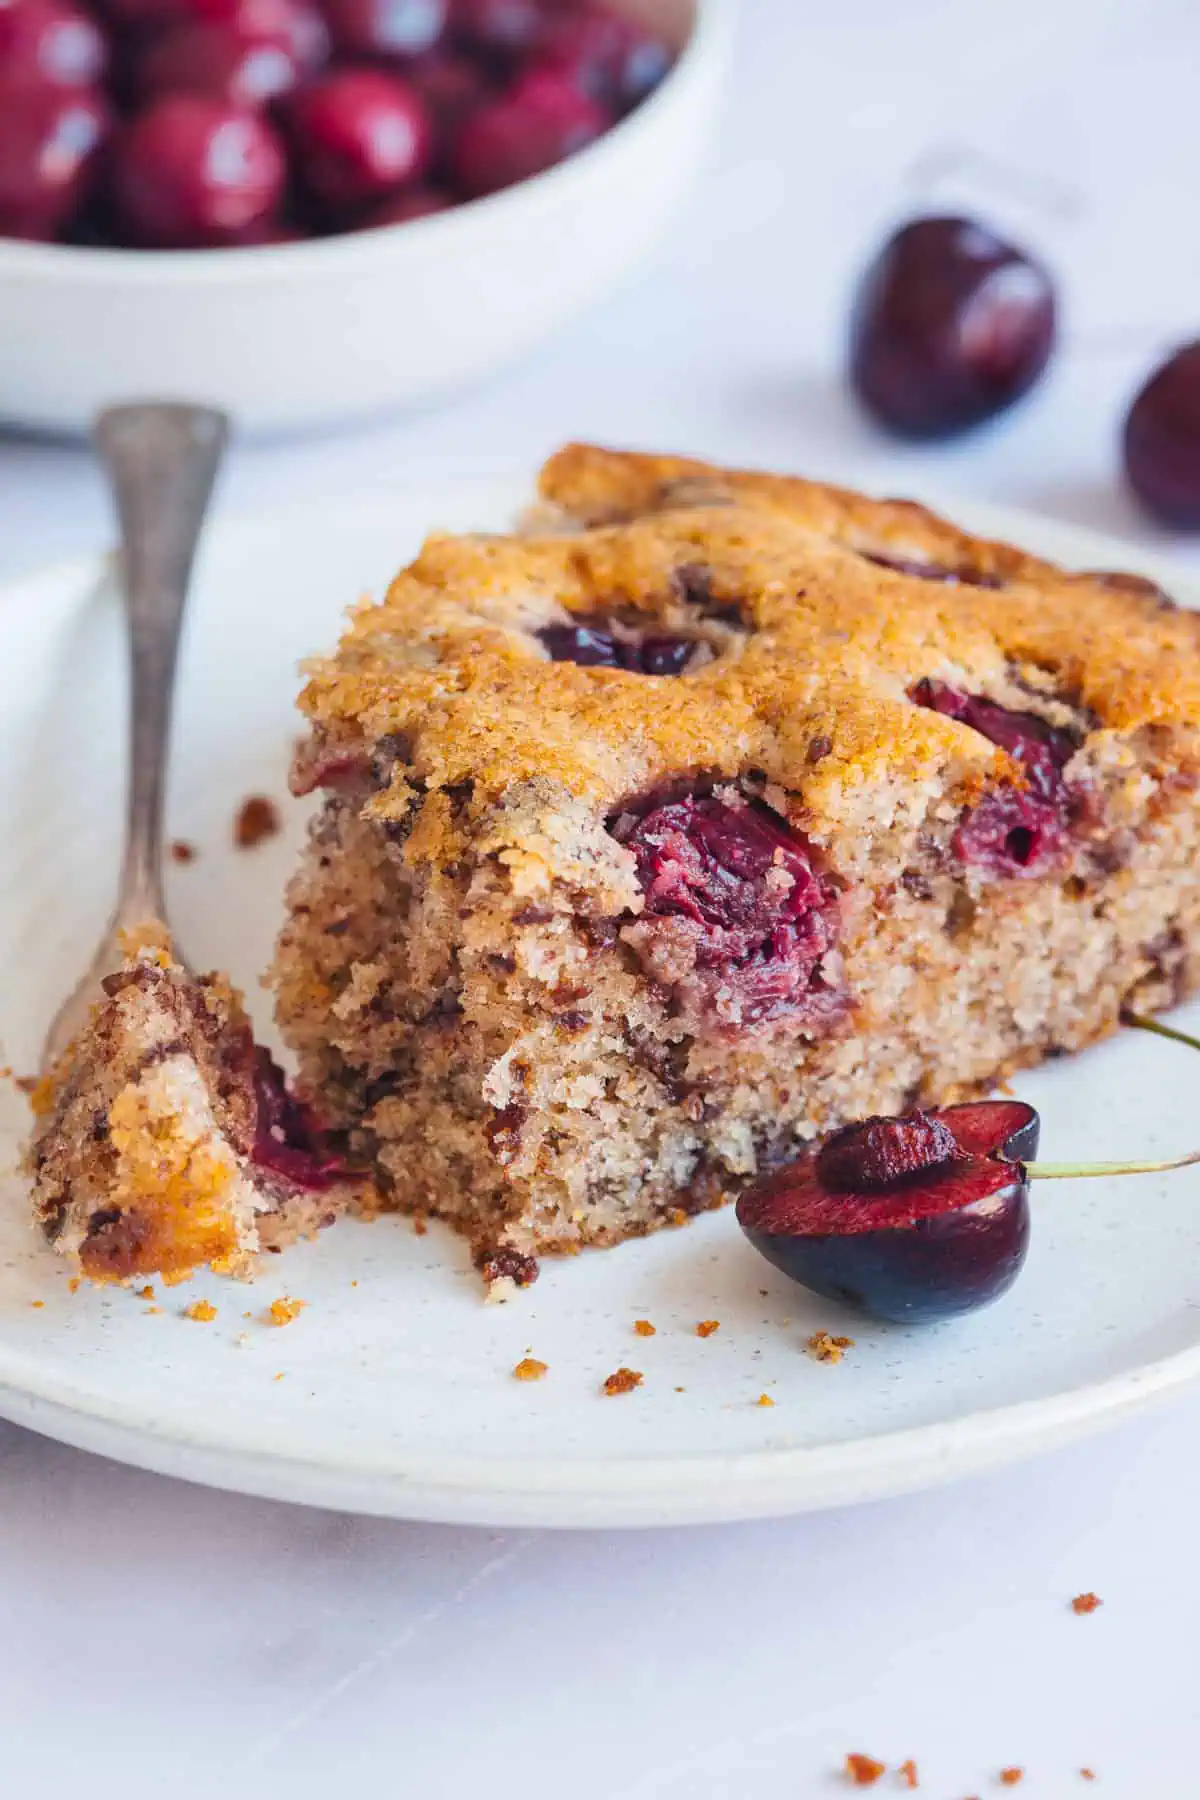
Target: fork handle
(161, 461)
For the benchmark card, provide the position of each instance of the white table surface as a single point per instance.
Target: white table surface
(158, 1638)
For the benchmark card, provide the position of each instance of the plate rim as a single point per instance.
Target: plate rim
(622, 1491)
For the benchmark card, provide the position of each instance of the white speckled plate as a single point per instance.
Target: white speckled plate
(392, 1391)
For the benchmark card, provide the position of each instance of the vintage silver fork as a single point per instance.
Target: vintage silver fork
(161, 461)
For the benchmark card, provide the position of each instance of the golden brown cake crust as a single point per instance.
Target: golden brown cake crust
(815, 646)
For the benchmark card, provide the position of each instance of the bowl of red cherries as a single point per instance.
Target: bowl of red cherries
(310, 210)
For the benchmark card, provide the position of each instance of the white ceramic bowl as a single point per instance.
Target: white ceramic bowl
(320, 333)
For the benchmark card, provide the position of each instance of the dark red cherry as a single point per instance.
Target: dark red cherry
(49, 139)
(451, 87)
(602, 643)
(1162, 441)
(356, 135)
(525, 131)
(737, 917)
(607, 56)
(387, 29)
(945, 1234)
(139, 15)
(951, 325)
(500, 29)
(52, 42)
(214, 60)
(1012, 830)
(402, 209)
(288, 1141)
(296, 25)
(193, 172)
(927, 571)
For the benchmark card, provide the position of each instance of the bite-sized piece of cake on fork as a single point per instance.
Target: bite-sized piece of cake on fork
(166, 1139)
(719, 810)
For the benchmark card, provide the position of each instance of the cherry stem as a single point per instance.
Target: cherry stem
(1073, 1171)
(1081, 1171)
(1143, 1023)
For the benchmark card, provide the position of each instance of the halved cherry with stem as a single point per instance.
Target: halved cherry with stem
(914, 1218)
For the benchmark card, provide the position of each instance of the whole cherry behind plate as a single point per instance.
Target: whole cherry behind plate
(397, 1393)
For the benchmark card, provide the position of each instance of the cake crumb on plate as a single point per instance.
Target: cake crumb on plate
(764, 1400)
(1086, 1603)
(863, 1771)
(203, 1311)
(644, 1328)
(706, 1327)
(826, 1348)
(1010, 1777)
(256, 820)
(530, 1369)
(182, 851)
(908, 1773)
(283, 1311)
(623, 1381)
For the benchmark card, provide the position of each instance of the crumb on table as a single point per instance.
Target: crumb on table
(764, 1400)
(256, 820)
(283, 1311)
(908, 1773)
(145, 1293)
(863, 1771)
(1010, 1777)
(828, 1349)
(530, 1369)
(644, 1328)
(623, 1381)
(203, 1311)
(182, 851)
(706, 1327)
(1086, 1603)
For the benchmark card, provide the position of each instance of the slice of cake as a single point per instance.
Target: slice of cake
(720, 810)
(166, 1138)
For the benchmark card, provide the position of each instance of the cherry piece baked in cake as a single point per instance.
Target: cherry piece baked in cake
(716, 810)
(166, 1139)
